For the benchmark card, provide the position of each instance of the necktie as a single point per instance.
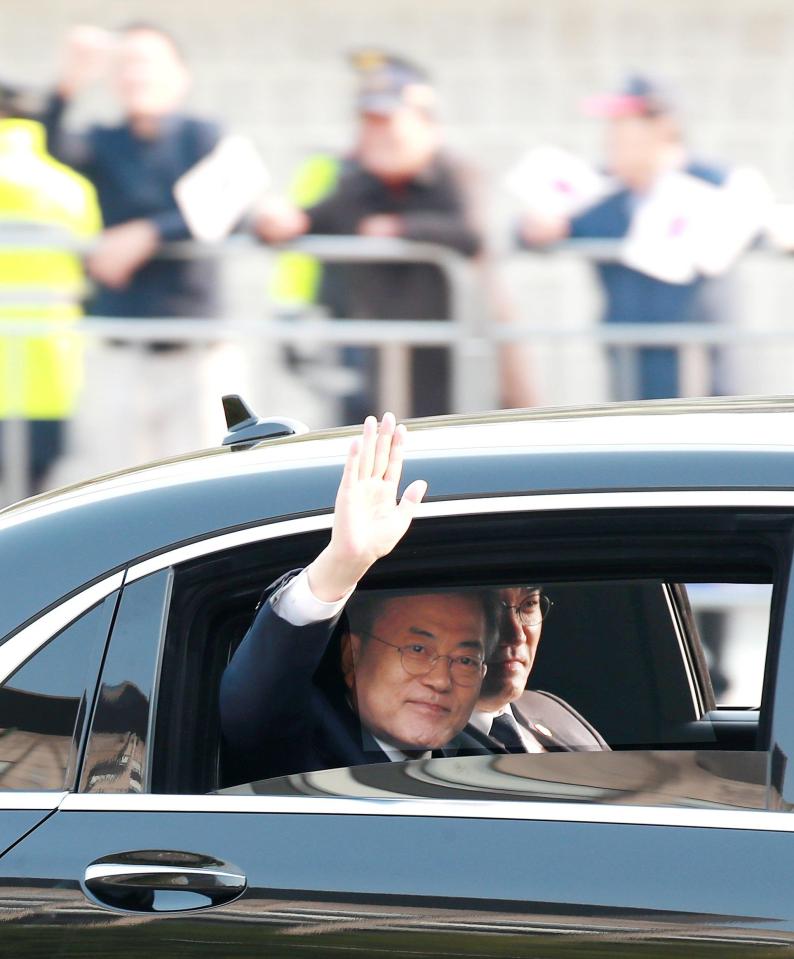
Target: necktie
(505, 730)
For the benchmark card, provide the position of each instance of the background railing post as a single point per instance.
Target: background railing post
(472, 340)
(394, 380)
(694, 369)
(473, 352)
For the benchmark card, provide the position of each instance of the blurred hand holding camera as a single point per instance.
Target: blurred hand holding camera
(86, 57)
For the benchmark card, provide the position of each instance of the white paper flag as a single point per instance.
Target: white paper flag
(686, 226)
(215, 193)
(553, 182)
(663, 236)
(741, 210)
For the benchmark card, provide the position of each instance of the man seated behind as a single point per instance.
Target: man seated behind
(521, 719)
(402, 683)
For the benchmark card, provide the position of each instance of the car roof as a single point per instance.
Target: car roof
(54, 543)
(708, 423)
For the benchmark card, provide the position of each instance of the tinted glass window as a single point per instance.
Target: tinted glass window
(622, 663)
(733, 622)
(43, 706)
(117, 751)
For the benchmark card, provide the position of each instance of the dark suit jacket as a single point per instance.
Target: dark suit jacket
(556, 725)
(284, 705)
(134, 178)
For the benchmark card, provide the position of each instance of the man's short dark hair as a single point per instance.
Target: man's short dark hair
(364, 606)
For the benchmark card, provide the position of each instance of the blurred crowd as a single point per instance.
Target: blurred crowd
(123, 194)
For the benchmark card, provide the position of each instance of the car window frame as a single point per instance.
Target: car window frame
(595, 501)
(23, 644)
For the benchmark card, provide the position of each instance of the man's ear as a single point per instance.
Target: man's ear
(351, 647)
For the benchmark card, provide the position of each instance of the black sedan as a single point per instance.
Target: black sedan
(662, 533)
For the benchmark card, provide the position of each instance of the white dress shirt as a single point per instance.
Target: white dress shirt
(298, 605)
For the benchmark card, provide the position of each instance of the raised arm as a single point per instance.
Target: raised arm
(267, 686)
(85, 57)
(368, 520)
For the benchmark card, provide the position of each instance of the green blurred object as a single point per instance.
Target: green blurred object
(296, 277)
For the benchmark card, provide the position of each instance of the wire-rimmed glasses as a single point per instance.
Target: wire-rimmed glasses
(532, 610)
(465, 669)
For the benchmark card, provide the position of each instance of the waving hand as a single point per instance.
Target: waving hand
(368, 520)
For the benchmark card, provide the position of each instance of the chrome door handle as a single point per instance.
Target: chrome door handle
(162, 881)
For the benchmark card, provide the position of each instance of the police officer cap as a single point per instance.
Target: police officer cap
(638, 96)
(388, 82)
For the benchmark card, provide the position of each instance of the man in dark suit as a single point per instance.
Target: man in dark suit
(299, 695)
(517, 718)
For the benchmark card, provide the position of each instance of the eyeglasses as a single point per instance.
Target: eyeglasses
(532, 610)
(418, 660)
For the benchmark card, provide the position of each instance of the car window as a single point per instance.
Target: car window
(621, 646)
(733, 623)
(117, 754)
(43, 705)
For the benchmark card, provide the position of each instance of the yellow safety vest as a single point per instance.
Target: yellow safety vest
(40, 376)
(296, 276)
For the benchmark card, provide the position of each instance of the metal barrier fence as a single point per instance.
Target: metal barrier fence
(470, 333)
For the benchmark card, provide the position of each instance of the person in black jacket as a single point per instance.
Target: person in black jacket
(399, 684)
(134, 165)
(404, 676)
(520, 719)
(398, 182)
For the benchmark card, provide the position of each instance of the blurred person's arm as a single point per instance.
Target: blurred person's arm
(86, 56)
(126, 247)
(461, 228)
(278, 220)
(84, 59)
(198, 139)
(608, 218)
(535, 230)
(445, 229)
(74, 149)
(122, 250)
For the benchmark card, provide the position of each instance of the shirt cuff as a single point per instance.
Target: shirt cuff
(297, 604)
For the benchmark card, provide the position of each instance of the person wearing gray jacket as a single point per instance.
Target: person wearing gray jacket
(520, 719)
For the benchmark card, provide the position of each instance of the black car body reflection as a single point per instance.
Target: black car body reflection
(125, 832)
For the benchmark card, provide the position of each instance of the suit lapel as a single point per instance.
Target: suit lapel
(339, 737)
(541, 732)
(471, 742)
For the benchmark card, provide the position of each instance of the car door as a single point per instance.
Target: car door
(138, 857)
(49, 671)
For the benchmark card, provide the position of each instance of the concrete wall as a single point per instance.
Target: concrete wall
(511, 73)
